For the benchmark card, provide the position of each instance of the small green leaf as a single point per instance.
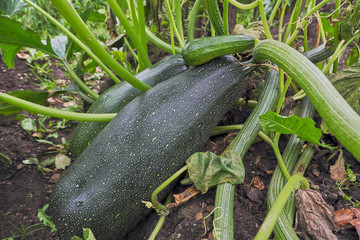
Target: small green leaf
(8, 53)
(46, 219)
(88, 235)
(31, 161)
(304, 128)
(29, 125)
(347, 82)
(208, 169)
(76, 238)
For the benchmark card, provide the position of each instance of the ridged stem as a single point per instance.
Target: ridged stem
(76, 40)
(223, 228)
(270, 220)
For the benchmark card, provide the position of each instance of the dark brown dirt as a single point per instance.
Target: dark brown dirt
(24, 189)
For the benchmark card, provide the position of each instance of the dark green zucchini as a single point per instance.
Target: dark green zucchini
(204, 49)
(116, 97)
(147, 142)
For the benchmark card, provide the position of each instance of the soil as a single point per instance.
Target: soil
(24, 189)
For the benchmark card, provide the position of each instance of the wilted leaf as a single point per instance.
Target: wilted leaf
(304, 128)
(313, 216)
(342, 218)
(29, 125)
(337, 171)
(347, 82)
(184, 196)
(62, 161)
(208, 169)
(12, 7)
(46, 219)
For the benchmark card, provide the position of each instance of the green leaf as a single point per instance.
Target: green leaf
(352, 58)
(347, 82)
(46, 219)
(88, 235)
(29, 125)
(304, 128)
(208, 169)
(8, 53)
(59, 45)
(12, 7)
(29, 95)
(12, 32)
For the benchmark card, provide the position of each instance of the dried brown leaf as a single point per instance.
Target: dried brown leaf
(342, 218)
(338, 171)
(313, 216)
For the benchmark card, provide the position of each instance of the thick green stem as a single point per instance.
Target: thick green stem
(36, 108)
(76, 40)
(223, 228)
(275, 9)
(270, 220)
(226, 17)
(70, 14)
(192, 20)
(160, 43)
(172, 22)
(142, 49)
(178, 19)
(141, 22)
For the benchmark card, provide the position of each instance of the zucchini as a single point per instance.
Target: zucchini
(204, 49)
(341, 119)
(147, 142)
(116, 97)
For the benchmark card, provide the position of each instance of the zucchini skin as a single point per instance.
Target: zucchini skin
(341, 119)
(202, 50)
(147, 142)
(116, 97)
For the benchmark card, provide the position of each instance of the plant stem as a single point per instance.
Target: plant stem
(226, 17)
(76, 40)
(85, 34)
(141, 22)
(223, 227)
(36, 108)
(303, 21)
(192, 20)
(172, 22)
(160, 43)
(261, 10)
(275, 9)
(154, 200)
(142, 50)
(178, 19)
(78, 81)
(161, 220)
(270, 220)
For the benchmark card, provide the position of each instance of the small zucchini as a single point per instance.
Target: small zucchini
(204, 49)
